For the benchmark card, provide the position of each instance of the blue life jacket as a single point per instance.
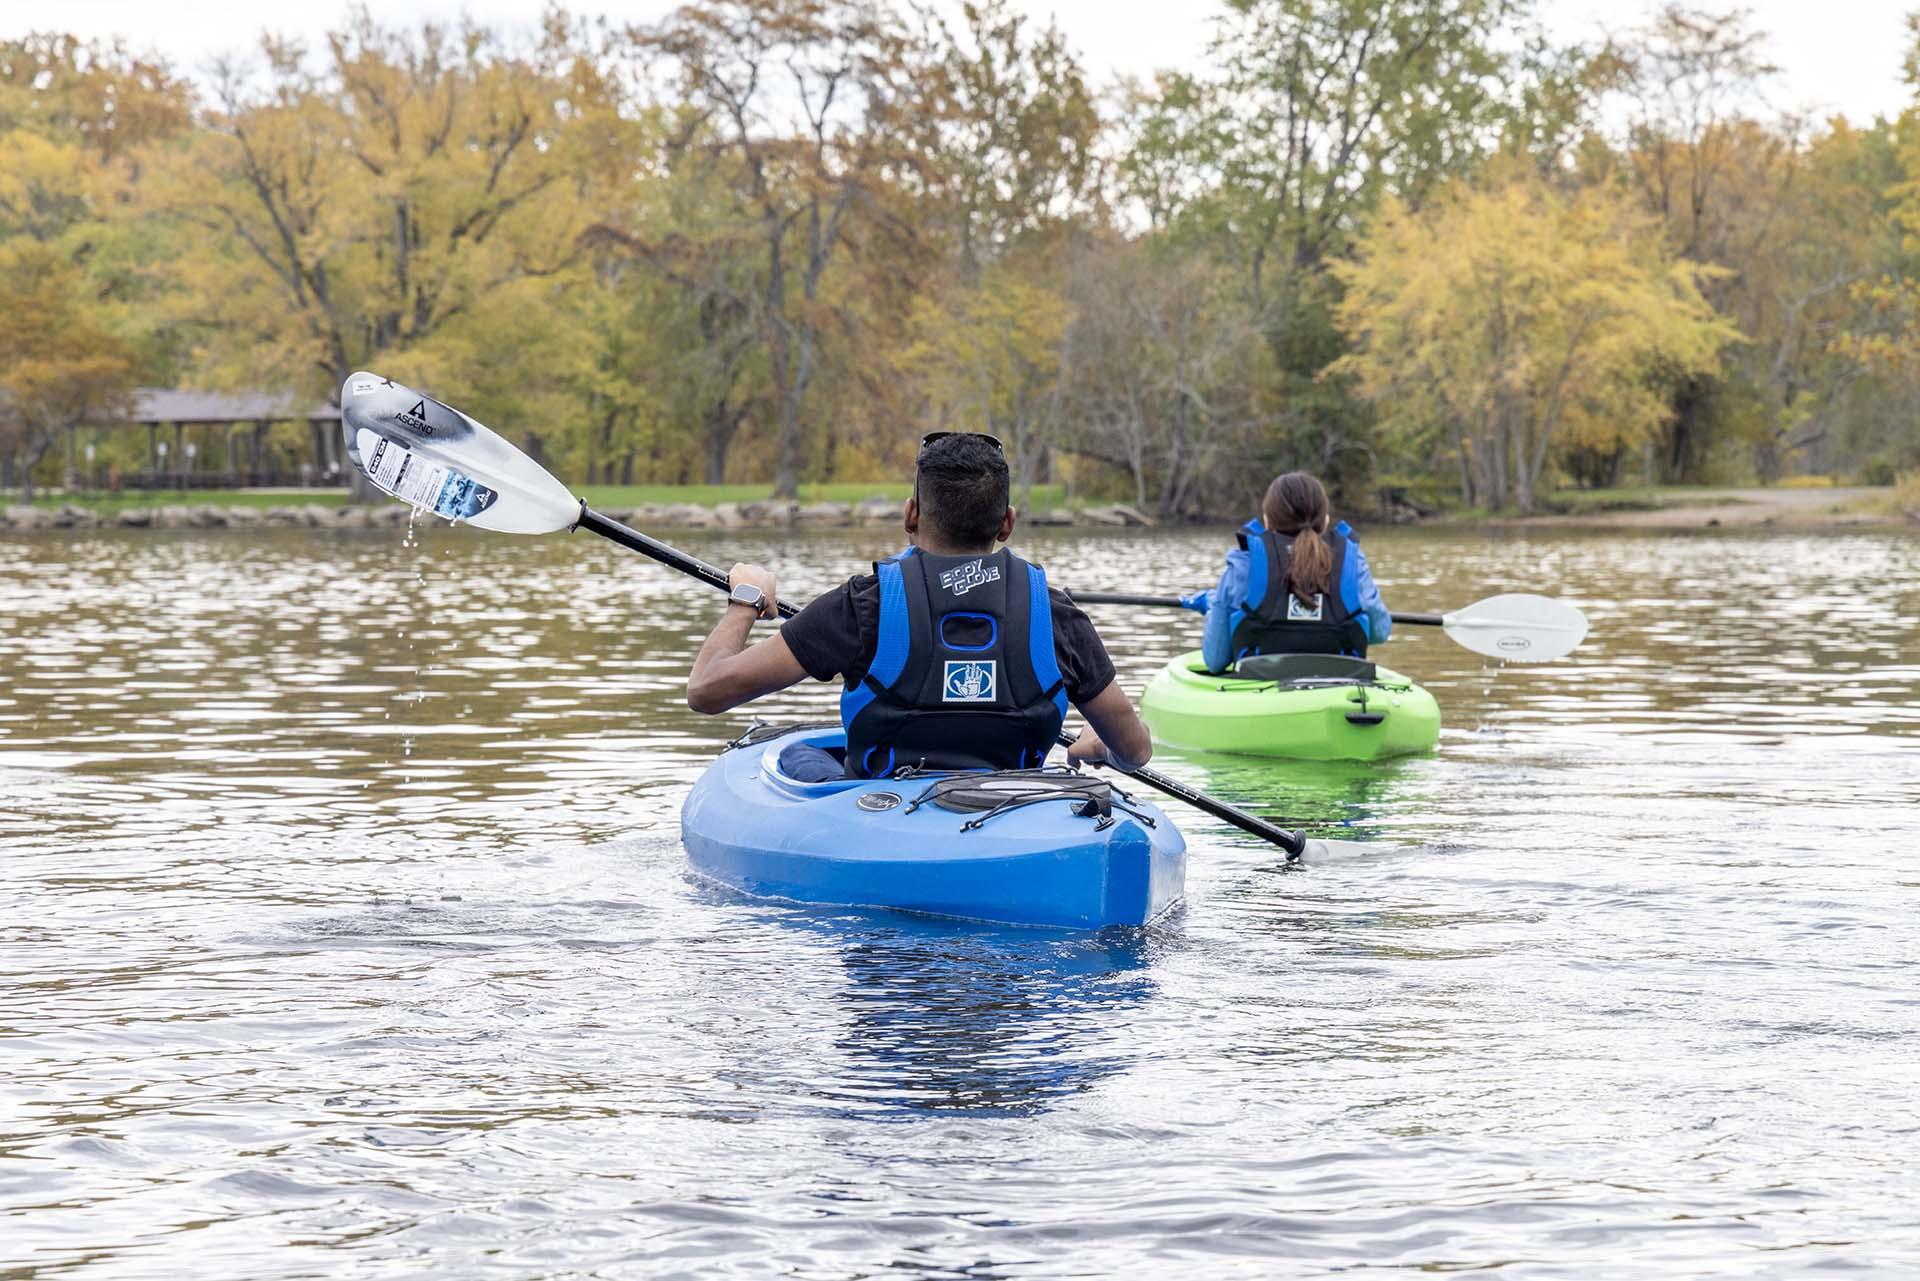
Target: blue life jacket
(964, 674)
(1272, 620)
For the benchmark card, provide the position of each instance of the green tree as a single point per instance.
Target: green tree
(1317, 109)
(793, 106)
(1010, 138)
(1694, 83)
(691, 292)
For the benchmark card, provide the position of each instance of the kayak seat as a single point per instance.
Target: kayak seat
(1316, 669)
(794, 756)
(809, 762)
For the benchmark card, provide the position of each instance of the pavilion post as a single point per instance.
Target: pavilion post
(257, 448)
(319, 451)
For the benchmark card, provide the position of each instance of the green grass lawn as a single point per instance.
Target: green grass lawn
(841, 491)
(713, 495)
(102, 501)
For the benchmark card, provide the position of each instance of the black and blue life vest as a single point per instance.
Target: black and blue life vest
(964, 674)
(1273, 620)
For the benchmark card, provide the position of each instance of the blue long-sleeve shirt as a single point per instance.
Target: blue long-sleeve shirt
(1222, 603)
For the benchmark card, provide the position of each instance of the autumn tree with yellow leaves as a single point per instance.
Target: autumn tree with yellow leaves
(74, 330)
(409, 204)
(772, 241)
(1500, 322)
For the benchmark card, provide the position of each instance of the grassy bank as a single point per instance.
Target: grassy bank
(1668, 506)
(605, 497)
(109, 503)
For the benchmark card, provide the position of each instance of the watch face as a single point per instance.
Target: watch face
(746, 594)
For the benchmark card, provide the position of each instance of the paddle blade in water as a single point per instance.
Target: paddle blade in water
(1518, 626)
(435, 457)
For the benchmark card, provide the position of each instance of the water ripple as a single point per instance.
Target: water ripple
(348, 934)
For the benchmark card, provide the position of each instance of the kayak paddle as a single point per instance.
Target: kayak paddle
(438, 459)
(1516, 625)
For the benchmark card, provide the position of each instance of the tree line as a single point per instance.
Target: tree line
(775, 240)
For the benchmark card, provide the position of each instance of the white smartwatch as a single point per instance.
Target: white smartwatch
(747, 594)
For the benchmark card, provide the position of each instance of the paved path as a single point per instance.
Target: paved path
(1746, 508)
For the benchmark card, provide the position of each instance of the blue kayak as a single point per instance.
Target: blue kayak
(1028, 847)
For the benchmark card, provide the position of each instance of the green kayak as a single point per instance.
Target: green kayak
(1303, 706)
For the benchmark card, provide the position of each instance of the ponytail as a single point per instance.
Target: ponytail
(1310, 572)
(1296, 503)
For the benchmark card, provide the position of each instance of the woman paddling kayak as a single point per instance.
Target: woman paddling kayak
(1295, 583)
(1283, 671)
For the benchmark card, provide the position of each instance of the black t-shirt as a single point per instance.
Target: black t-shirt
(837, 633)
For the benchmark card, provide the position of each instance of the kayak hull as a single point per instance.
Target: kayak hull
(1386, 717)
(861, 843)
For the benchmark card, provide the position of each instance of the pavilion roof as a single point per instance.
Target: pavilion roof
(164, 405)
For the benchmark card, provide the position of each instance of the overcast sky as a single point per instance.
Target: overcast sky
(1837, 55)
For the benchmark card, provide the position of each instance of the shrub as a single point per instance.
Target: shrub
(1906, 492)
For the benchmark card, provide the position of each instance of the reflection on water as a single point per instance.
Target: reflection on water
(1337, 800)
(346, 932)
(995, 1021)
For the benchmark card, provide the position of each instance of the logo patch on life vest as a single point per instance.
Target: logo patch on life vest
(970, 682)
(1298, 611)
(962, 579)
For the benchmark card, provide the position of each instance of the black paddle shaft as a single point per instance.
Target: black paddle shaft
(1173, 602)
(672, 557)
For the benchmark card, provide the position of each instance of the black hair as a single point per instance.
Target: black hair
(962, 488)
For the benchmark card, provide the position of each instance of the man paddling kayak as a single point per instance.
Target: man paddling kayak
(955, 654)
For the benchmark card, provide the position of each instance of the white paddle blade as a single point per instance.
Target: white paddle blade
(1518, 626)
(435, 457)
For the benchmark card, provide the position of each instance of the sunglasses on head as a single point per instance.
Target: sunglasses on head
(932, 436)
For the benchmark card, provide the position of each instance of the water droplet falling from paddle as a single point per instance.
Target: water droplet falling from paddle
(413, 554)
(1491, 672)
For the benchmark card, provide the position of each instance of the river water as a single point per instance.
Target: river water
(346, 933)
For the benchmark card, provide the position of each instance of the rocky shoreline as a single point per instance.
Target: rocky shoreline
(1735, 508)
(387, 515)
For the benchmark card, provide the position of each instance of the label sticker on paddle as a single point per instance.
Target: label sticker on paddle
(426, 484)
